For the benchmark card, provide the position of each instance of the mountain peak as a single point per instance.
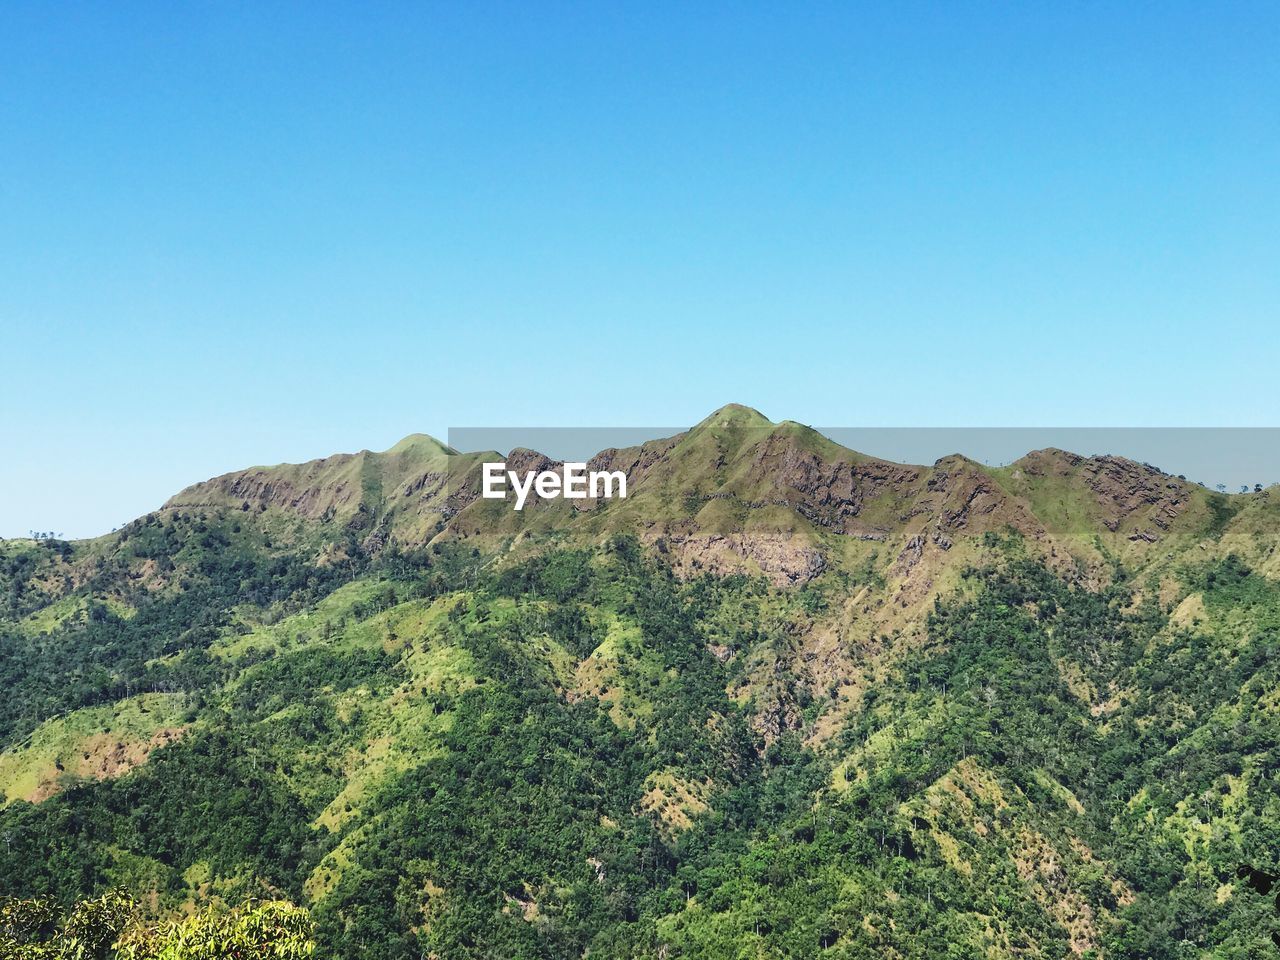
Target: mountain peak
(735, 415)
(421, 443)
(419, 447)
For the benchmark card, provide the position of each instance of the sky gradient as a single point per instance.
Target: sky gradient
(242, 233)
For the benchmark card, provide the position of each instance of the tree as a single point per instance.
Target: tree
(256, 930)
(35, 928)
(110, 927)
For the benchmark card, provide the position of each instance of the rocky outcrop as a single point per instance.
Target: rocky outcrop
(784, 560)
(833, 493)
(1115, 493)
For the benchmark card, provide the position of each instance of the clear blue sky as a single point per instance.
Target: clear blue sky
(244, 233)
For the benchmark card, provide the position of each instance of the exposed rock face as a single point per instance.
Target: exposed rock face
(427, 487)
(306, 490)
(409, 476)
(910, 555)
(636, 462)
(1120, 492)
(1125, 488)
(784, 560)
(830, 493)
(778, 716)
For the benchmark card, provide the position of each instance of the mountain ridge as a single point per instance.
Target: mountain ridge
(785, 698)
(744, 474)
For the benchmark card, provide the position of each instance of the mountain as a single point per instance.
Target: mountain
(785, 699)
(736, 493)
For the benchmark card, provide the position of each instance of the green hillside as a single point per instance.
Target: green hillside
(784, 700)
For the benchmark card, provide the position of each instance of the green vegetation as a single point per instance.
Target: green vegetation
(574, 741)
(110, 927)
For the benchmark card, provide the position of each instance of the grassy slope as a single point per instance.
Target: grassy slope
(93, 742)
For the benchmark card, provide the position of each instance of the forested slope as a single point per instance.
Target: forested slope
(815, 705)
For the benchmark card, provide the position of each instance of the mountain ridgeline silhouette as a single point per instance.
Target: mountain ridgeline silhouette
(784, 699)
